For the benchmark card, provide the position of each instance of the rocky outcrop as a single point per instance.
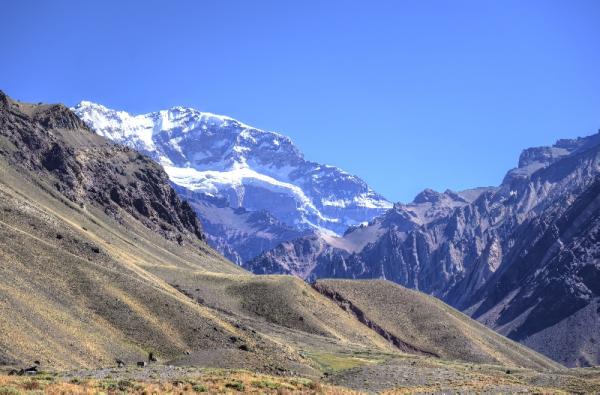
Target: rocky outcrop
(237, 233)
(89, 170)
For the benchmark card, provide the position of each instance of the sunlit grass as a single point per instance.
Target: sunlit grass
(210, 381)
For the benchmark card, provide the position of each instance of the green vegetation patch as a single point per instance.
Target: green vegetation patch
(329, 362)
(199, 388)
(8, 390)
(266, 384)
(236, 385)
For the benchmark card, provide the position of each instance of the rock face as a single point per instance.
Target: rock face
(234, 171)
(51, 138)
(522, 257)
(237, 233)
(321, 255)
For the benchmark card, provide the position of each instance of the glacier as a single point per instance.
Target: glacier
(215, 156)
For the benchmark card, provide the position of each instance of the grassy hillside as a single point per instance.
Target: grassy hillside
(100, 260)
(74, 289)
(74, 292)
(284, 308)
(423, 324)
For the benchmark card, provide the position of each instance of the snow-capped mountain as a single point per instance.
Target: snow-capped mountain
(218, 157)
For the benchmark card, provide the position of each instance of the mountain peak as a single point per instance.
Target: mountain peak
(428, 196)
(249, 167)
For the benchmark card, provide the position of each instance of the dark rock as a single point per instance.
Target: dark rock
(142, 364)
(50, 139)
(58, 116)
(31, 371)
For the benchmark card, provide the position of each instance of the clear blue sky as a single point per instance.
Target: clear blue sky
(405, 94)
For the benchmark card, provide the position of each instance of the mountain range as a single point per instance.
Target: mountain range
(521, 257)
(251, 188)
(103, 265)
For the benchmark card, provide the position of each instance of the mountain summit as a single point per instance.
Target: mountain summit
(251, 168)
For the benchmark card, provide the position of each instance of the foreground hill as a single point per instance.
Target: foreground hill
(521, 258)
(80, 219)
(100, 260)
(423, 324)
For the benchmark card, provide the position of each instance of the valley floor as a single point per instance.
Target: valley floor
(340, 373)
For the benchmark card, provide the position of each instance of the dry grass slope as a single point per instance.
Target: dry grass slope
(74, 286)
(73, 291)
(429, 325)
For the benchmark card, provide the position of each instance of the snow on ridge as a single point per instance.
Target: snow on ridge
(362, 200)
(218, 154)
(209, 182)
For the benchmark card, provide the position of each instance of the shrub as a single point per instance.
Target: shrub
(266, 384)
(5, 390)
(109, 385)
(315, 386)
(199, 388)
(124, 385)
(32, 385)
(236, 385)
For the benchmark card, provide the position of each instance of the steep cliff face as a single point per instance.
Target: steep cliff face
(520, 257)
(90, 170)
(549, 276)
(237, 233)
(348, 256)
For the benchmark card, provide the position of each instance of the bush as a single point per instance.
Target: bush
(236, 385)
(4, 390)
(315, 386)
(266, 384)
(32, 385)
(124, 385)
(199, 388)
(109, 385)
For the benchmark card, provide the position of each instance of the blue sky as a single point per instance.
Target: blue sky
(405, 94)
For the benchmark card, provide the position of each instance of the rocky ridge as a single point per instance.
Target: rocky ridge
(477, 249)
(52, 138)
